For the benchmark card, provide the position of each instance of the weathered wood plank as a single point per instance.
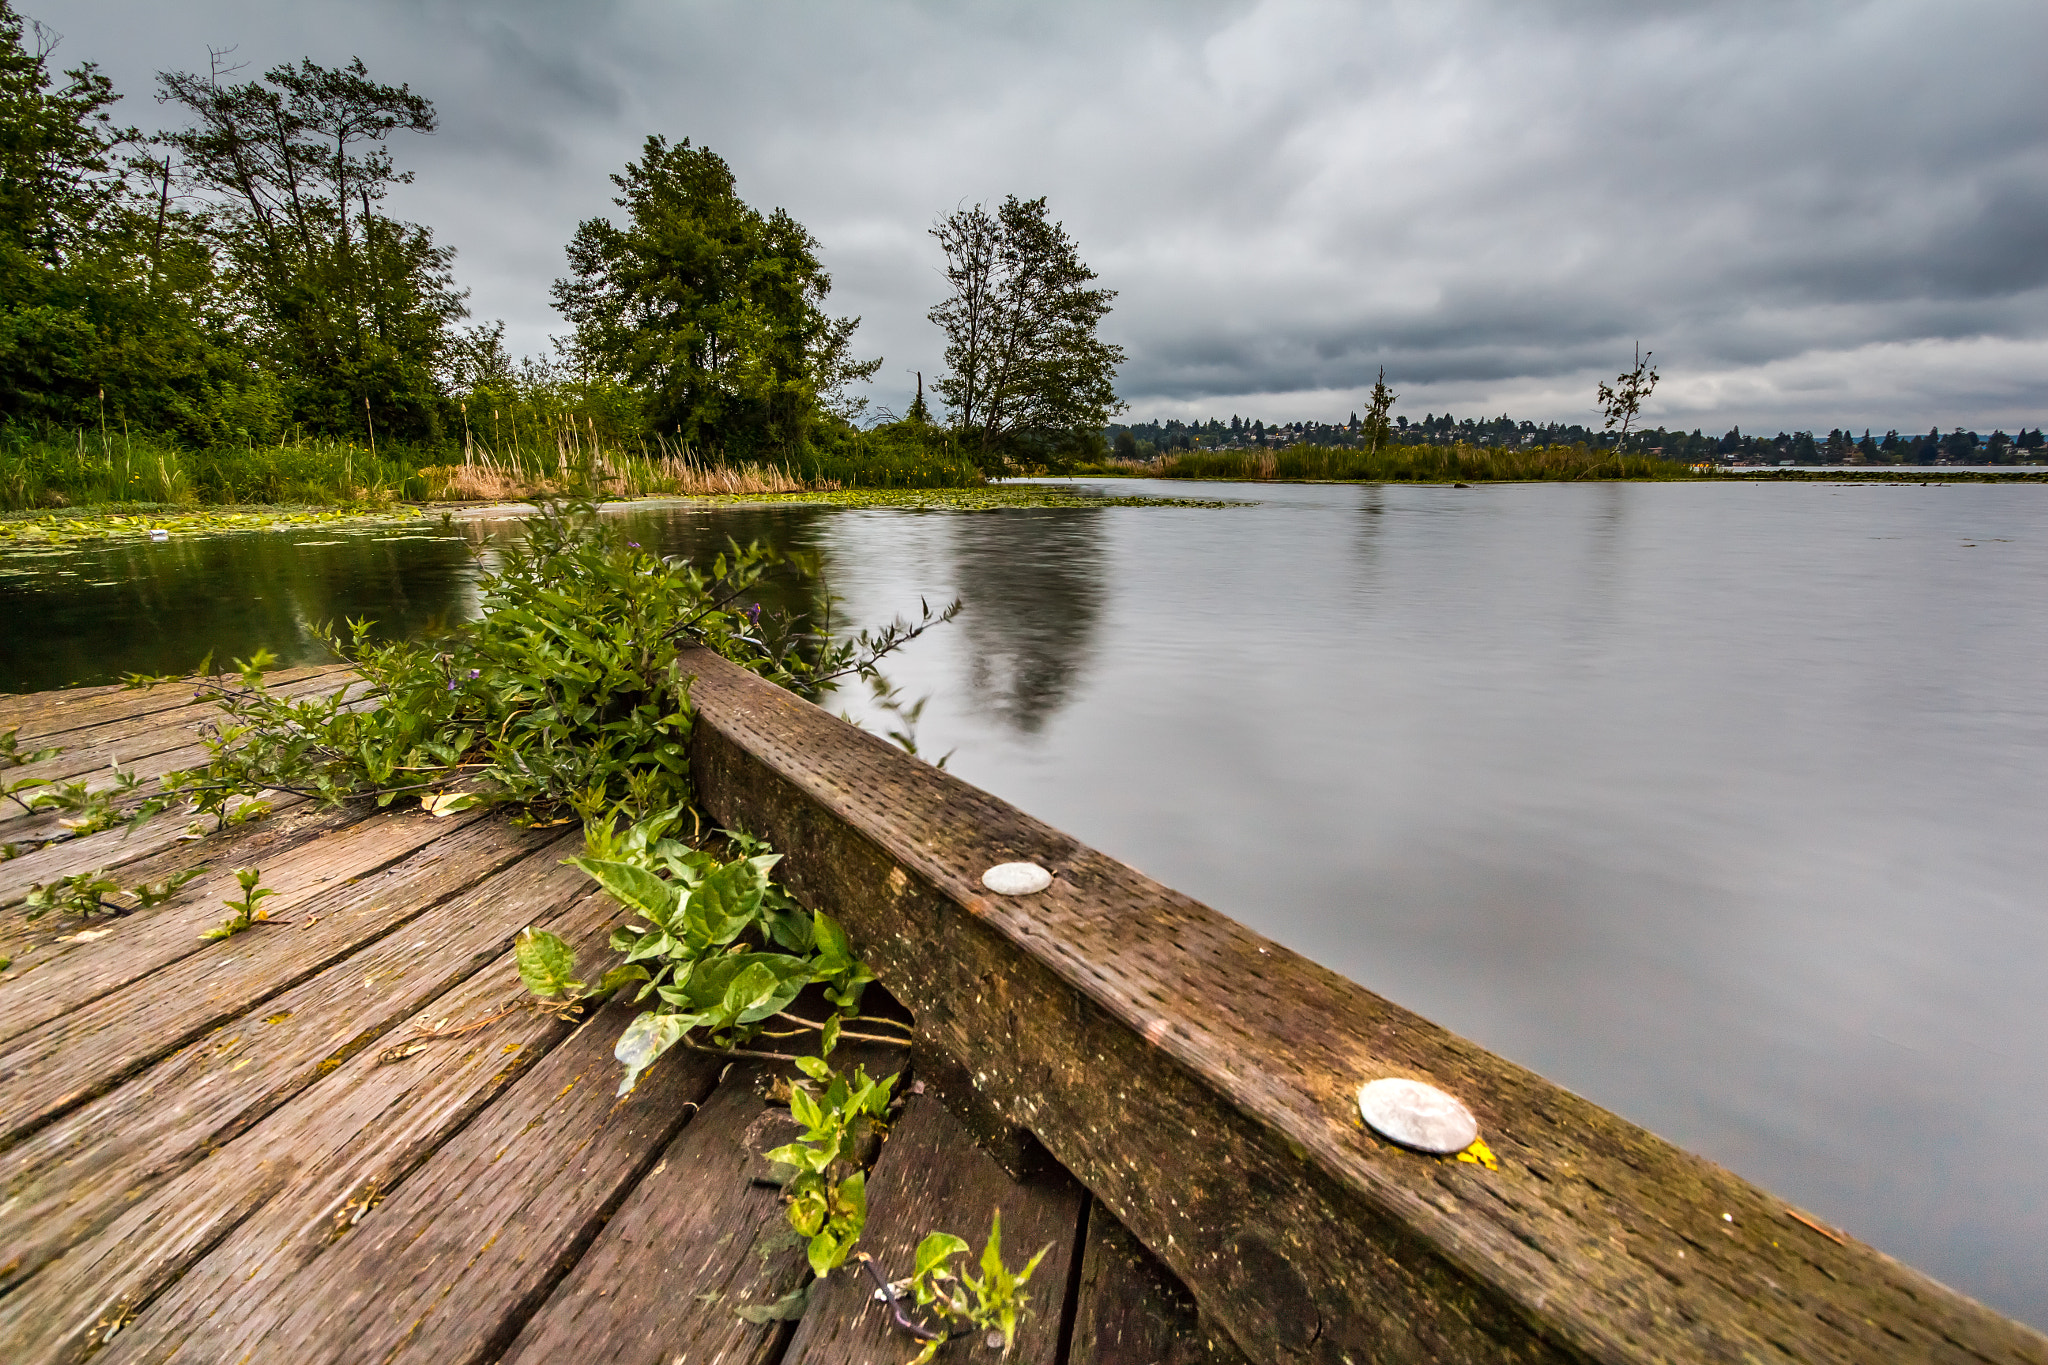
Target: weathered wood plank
(1200, 1080)
(214, 1240)
(46, 717)
(69, 1180)
(138, 944)
(127, 739)
(695, 1240)
(65, 1061)
(1131, 1311)
(108, 850)
(931, 1177)
(451, 1263)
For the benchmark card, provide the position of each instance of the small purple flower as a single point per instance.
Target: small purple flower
(451, 687)
(476, 672)
(634, 544)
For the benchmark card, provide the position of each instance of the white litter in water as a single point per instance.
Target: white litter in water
(1417, 1115)
(1016, 879)
(159, 535)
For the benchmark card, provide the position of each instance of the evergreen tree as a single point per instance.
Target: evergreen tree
(709, 309)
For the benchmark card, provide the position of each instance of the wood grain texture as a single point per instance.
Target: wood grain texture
(125, 739)
(1200, 1080)
(202, 1252)
(47, 1070)
(931, 1177)
(47, 717)
(449, 1266)
(75, 1176)
(354, 846)
(695, 1240)
(1131, 1311)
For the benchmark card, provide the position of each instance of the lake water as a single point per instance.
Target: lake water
(1723, 805)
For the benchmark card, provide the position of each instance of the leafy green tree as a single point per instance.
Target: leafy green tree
(1028, 376)
(351, 307)
(710, 310)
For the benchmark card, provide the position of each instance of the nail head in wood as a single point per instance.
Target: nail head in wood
(1016, 879)
(1417, 1116)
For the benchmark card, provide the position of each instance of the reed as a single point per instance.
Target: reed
(1420, 464)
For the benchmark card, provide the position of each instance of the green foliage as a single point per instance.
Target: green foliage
(81, 894)
(991, 1302)
(1028, 380)
(709, 309)
(827, 1189)
(350, 306)
(247, 915)
(86, 893)
(564, 696)
(1421, 464)
(721, 951)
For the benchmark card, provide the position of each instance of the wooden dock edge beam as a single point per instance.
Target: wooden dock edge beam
(1200, 1080)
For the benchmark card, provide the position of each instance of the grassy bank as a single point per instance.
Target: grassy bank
(1420, 464)
(54, 469)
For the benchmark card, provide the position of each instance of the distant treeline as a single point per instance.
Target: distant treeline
(1151, 440)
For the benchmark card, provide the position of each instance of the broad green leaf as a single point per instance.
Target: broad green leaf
(724, 904)
(853, 1197)
(814, 1067)
(646, 1038)
(936, 1249)
(828, 1038)
(449, 803)
(546, 964)
(635, 887)
(825, 1253)
(803, 1108)
(620, 976)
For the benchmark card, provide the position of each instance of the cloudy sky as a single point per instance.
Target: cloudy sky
(1816, 214)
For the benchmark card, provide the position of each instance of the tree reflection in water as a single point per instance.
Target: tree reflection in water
(1032, 582)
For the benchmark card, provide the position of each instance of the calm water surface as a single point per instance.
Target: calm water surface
(1722, 805)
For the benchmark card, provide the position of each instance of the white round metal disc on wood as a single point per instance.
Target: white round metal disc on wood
(1418, 1116)
(1016, 879)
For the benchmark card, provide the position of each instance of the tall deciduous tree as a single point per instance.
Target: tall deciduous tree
(352, 306)
(708, 308)
(1026, 367)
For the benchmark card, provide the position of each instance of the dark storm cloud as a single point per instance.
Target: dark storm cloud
(1815, 213)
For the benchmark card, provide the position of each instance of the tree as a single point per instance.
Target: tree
(1624, 401)
(712, 311)
(1377, 430)
(1027, 373)
(352, 306)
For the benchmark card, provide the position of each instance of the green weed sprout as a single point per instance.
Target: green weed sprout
(246, 915)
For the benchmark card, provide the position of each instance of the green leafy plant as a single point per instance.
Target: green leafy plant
(86, 893)
(722, 951)
(991, 1303)
(13, 756)
(827, 1188)
(563, 698)
(82, 894)
(246, 915)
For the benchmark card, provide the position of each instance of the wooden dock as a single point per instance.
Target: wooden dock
(348, 1138)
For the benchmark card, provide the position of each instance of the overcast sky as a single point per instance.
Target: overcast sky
(1816, 214)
